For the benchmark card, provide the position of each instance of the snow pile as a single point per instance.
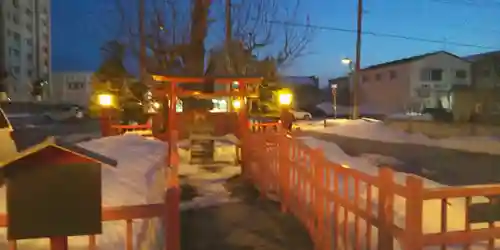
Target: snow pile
(411, 116)
(431, 208)
(209, 180)
(138, 179)
(327, 108)
(378, 131)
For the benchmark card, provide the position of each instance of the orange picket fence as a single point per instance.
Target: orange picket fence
(343, 208)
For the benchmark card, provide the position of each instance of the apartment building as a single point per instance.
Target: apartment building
(25, 45)
(485, 70)
(72, 87)
(422, 81)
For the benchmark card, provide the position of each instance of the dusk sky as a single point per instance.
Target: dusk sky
(79, 29)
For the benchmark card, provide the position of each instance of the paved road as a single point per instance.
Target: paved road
(446, 166)
(27, 134)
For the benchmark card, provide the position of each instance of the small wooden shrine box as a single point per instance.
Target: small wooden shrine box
(54, 190)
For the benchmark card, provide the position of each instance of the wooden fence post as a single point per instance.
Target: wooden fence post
(413, 235)
(319, 184)
(172, 197)
(284, 171)
(385, 208)
(59, 243)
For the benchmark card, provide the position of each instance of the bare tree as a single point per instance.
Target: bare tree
(260, 28)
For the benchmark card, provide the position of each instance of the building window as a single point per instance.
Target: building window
(14, 52)
(431, 75)
(15, 19)
(378, 77)
(75, 85)
(29, 73)
(15, 3)
(29, 57)
(461, 74)
(17, 36)
(16, 69)
(29, 13)
(393, 74)
(29, 27)
(29, 41)
(365, 78)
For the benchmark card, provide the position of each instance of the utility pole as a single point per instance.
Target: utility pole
(228, 24)
(357, 70)
(142, 41)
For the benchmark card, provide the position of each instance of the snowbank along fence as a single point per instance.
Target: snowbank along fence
(343, 208)
(169, 211)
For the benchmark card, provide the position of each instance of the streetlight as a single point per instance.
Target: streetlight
(285, 99)
(346, 61)
(334, 94)
(236, 104)
(106, 103)
(352, 85)
(105, 100)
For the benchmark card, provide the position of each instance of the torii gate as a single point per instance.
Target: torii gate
(168, 93)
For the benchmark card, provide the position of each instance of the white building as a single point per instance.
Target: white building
(71, 87)
(422, 81)
(26, 44)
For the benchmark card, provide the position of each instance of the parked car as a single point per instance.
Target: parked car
(65, 113)
(8, 147)
(301, 115)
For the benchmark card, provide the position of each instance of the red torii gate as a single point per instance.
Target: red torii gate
(168, 93)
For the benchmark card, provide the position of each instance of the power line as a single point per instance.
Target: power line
(478, 4)
(380, 34)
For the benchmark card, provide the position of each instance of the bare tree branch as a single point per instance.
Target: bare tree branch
(257, 36)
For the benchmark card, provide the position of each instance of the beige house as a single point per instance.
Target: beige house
(71, 87)
(413, 83)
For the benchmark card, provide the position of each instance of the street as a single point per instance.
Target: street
(26, 134)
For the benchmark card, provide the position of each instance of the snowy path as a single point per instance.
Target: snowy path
(220, 211)
(249, 223)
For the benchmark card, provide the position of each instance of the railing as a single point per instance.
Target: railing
(142, 129)
(126, 213)
(343, 208)
(265, 126)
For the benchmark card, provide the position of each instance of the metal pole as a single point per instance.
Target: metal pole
(142, 41)
(335, 105)
(355, 111)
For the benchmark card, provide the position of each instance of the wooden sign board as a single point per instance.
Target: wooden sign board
(201, 137)
(54, 200)
(483, 212)
(202, 151)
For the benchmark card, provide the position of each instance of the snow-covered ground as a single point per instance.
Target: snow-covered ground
(327, 108)
(208, 181)
(378, 131)
(411, 116)
(431, 209)
(138, 179)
